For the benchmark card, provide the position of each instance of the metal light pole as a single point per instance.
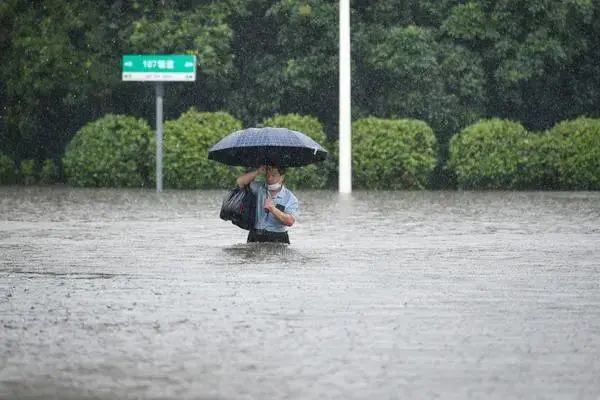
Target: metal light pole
(345, 122)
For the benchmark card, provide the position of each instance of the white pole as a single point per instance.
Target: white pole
(345, 122)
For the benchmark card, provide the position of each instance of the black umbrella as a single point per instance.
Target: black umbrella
(254, 147)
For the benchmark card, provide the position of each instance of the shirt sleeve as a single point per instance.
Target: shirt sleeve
(292, 207)
(254, 187)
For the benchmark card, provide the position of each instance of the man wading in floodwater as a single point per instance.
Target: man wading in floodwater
(276, 206)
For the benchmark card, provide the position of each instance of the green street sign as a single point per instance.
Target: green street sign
(159, 67)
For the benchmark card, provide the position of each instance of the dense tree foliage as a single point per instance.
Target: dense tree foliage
(445, 62)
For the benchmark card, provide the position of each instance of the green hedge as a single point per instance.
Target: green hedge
(49, 173)
(185, 151)
(572, 153)
(495, 154)
(313, 176)
(28, 172)
(392, 153)
(8, 171)
(109, 152)
(119, 151)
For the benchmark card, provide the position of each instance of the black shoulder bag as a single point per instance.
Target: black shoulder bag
(239, 207)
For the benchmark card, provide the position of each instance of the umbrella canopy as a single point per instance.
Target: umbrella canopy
(254, 147)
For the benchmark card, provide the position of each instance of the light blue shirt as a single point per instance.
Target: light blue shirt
(266, 220)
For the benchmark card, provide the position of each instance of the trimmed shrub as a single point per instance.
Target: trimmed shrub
(313, 176)
(539, 169)
(49, 172)
(332, 162)
(494, 154)
(572, 150)
(185, 148)
(28, 172)
(392, 153)
(7, 170)
(109, 152)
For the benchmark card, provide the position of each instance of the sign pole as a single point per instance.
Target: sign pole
(160, 93)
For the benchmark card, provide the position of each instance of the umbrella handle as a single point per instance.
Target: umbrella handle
(269, 196)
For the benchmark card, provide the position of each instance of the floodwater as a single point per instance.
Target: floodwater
(129, 294)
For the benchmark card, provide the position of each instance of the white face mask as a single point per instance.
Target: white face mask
(274, 186)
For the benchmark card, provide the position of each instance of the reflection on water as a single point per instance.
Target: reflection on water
(131, 294)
